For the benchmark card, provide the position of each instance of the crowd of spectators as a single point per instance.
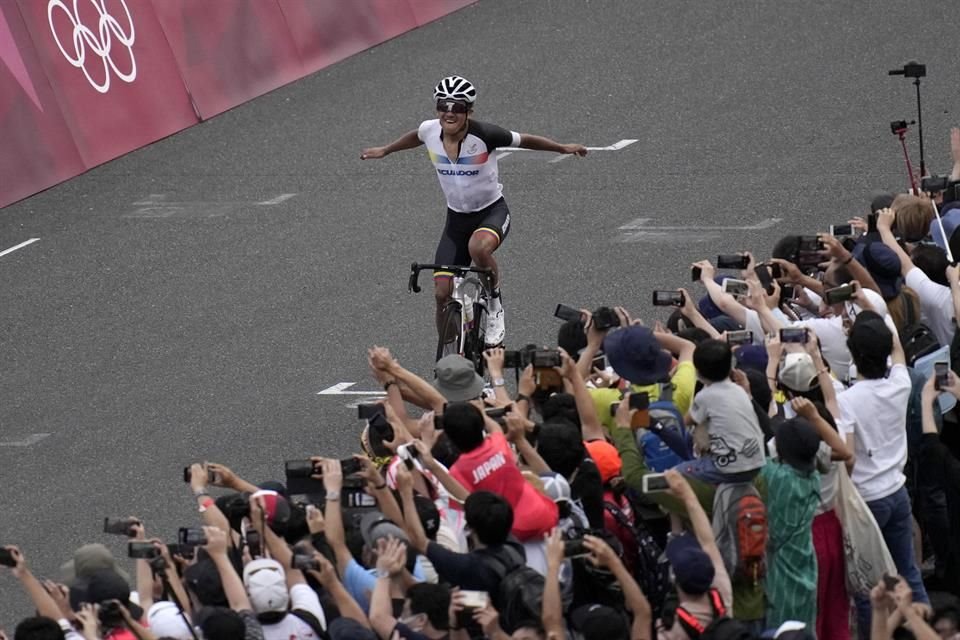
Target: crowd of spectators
(779, 460)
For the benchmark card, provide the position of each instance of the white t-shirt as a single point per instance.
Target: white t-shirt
(833, 343)
(875, 412)
(936, 305)
(292, 627)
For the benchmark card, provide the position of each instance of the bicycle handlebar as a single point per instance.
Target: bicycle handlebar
(456, 270)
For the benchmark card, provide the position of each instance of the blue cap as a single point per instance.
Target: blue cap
(950, 220)
(692, 567)
(751, 356)
(883, 264)
(635, 354)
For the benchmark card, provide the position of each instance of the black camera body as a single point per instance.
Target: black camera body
(605, 318)
(530, 355)
(912, 69)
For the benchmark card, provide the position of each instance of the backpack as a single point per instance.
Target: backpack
(648, 567)
(519, 598)
(740, 528)
(916, 338)
(666, 442)
(722, 627)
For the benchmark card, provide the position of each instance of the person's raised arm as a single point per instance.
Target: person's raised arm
(376, 357)
(601, 555)
(411, 520)
(681, 489)
(885, 221)
(589, 422)
(955, 153)
(346, 605)
(409, 140)
(793, 275)
(540, 143)
(391, 558)
(551, 614)
(429, 397)
(277, 545)
(840, 256)
(692, 313)
(43, 602)
(226, 478)
(451, 484)
(953, 279)
(517, 427)
(682, 348)
(332, 513)
(828, 434)
(232, 585)
(897, 355)
(494, 360)
(210, 514)
(724, 301)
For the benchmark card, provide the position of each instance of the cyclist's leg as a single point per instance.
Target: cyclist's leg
(489, 235)
(451, 250)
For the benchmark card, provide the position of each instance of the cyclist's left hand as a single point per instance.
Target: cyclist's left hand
(575, 149)
(494, 359)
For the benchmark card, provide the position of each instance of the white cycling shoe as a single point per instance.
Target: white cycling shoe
(495, 330)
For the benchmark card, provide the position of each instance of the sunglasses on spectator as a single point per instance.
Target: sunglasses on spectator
(449, 106)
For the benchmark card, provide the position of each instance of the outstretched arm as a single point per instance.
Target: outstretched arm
(539, 143)
(409, 140)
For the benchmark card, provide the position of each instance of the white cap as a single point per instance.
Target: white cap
(797, 372)
(164, 620)
(266, 585)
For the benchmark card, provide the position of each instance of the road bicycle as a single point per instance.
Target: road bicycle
(464, 316)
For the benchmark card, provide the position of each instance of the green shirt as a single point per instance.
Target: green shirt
(791, 583)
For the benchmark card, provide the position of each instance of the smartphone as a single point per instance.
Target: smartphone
(890, 582)
(638, 401)
(142, 550)
(695, 274)
(788, 292)
(369, 411)
(735, 287)
(776, 271)
(872, 223)
(191, 536)
(184, 551)
(304, 562)
(300, 468)
(841, 230)
(546, 359)
(119, 526)
(810, 243)
(254, 542)
(794, 335)
(641, 403)
(512, 360)
(732, 261)
(766, 277)
(942, 372)
(188, 475)
(654, 483)
(567, 314)
(663, 298)
(473, 599)
(574, 548)
(838, 294)
(349, 466)
(6, 558)
(599, 363)
(737, 338)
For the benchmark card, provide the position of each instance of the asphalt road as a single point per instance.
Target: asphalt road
(165, 317)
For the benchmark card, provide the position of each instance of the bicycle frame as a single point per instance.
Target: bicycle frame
(470, 293)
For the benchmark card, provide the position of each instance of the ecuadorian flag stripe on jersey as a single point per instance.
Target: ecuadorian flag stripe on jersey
(437, 158)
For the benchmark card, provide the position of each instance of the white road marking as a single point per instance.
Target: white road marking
(616, 146)
(280, 198)
(30, 440)
(340, 389)
(638, 229)
(503, 154)
(19, 246)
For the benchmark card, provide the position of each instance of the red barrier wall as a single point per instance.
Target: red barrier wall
(84, 81)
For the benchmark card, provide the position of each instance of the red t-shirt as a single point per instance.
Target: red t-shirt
(491, 467)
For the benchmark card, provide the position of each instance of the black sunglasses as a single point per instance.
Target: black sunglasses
(449, 106)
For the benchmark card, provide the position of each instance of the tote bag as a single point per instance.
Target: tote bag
(864, 549)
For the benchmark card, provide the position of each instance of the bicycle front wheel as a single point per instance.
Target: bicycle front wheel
(450, 330)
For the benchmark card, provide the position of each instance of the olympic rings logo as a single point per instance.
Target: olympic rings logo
(99, 43)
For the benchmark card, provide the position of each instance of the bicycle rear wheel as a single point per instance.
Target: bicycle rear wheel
(450, 325)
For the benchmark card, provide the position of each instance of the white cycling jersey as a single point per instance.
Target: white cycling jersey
(471, 181)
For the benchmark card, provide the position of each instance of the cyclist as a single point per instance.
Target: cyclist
(462, 151)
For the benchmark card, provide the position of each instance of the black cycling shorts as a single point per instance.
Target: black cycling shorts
(454, 246)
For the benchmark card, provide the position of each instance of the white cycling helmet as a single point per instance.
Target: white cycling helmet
(455, 88)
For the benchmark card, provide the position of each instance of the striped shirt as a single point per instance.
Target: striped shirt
(791, 584)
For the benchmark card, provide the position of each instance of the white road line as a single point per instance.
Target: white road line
(340, 389)
(640, 225)
(280, 198)
(19, 246)
(503, 154)
(30, 440)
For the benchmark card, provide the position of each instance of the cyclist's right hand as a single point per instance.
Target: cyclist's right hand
(373, 153)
